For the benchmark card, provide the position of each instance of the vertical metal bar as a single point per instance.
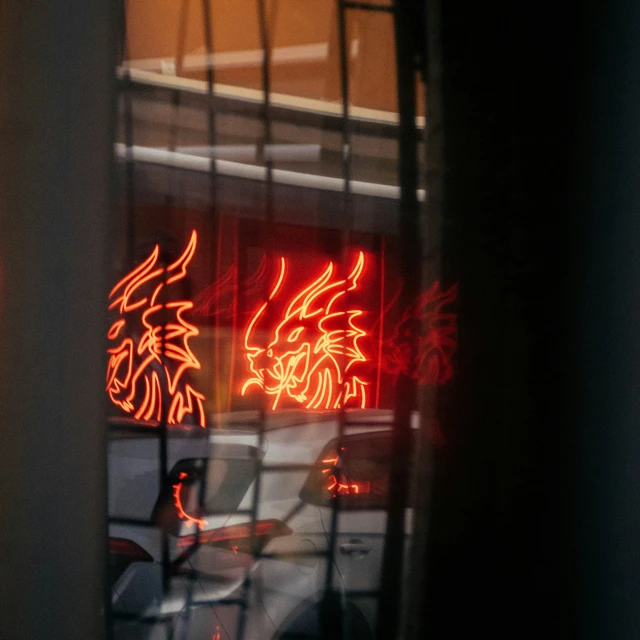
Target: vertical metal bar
(216, 346)
(332, 617)
(176, 99)
(211, 138)
(182, 35)
(163, 452)
(211, 131)
(127, 118)
(129, 170)
(413, 614)
(380, 320)
(234, 316)
(410, 265)
(269, 220)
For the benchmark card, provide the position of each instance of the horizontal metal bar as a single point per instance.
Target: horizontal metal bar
(288, 103)
(226, 602)
(369, 423)
(249, 152)
(237, 512)
(293, 554)
(249, 426)
(166, 617)
(136, 522)
(134, 617)
(139, 522)
(153, 429)
(175, 160)
(136, 428)
(367, 6)
(287, 467)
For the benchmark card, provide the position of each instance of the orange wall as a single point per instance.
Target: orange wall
(167, 28)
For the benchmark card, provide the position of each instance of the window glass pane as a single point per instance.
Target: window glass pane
(357, 472)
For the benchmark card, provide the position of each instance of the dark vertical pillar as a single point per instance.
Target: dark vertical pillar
(55, 172)
(498, 548)
(389, 613)
(606, 272)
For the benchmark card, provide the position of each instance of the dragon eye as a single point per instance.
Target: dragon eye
(270, 353)
(295, 334)
(115, 329)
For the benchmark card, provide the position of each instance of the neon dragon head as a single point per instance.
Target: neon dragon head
(313, 344)
(436, 344)
(145, 368)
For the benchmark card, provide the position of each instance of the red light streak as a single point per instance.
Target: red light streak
(137, 372)
(216, 339)
(342, 486)
(381, 320)
(237, 533)
(303, 361)
(209, 301)
(234, 320)
(182, 514)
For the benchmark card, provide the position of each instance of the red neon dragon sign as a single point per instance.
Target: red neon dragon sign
(146, 369)
(310, 350)
(437, 344)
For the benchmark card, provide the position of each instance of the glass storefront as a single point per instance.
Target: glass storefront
(260, 320)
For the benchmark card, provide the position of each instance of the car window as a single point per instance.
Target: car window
(363, 479)
(226, 483)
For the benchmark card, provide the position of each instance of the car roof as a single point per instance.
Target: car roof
(297, 417)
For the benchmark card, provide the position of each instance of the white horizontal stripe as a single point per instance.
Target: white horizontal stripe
(248, 152)
(176, 159)
(233, 59)
(296, 103)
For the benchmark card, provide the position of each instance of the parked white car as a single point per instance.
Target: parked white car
(287, 580)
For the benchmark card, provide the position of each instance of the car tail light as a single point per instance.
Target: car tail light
(237, 537)
(124, 548)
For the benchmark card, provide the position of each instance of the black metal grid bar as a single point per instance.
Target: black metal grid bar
(369, 423)
(286, 468)
(332, 619)
(265, 44)
(167, 617)
(163, 452)
(410, 270)
(211, 134)
(367, 6)
(294, 554)
(134, 522)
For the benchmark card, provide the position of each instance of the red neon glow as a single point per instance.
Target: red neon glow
(214, 300)
(182, 514)
(216, 635)
(304, 360)
(144, 369)
(342, 486)
(436, 344)
(237, 533)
